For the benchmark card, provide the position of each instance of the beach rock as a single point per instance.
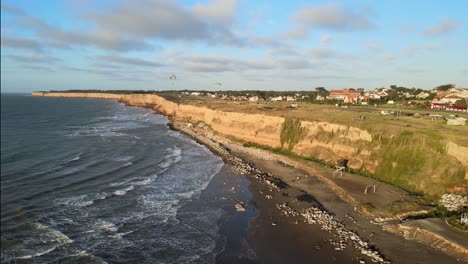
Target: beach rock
(239, 207)
(453, 201)
(315, 215)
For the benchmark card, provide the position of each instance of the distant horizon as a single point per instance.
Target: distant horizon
(245, 45)
(219, 90)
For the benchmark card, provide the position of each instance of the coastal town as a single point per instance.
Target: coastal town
(444, 97)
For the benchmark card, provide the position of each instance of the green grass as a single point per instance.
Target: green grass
(454, 220)
(234, 139)
(369, 207)
(401, 206)
(291, 132)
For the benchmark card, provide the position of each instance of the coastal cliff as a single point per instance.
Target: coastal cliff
(405, 159)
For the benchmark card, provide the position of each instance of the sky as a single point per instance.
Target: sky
(241, 44)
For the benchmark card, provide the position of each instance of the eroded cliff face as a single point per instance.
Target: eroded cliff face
(328, 142)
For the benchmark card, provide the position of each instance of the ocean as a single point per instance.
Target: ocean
(96, 181)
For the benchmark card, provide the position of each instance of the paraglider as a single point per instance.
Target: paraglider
(173, 78)
(216, 84)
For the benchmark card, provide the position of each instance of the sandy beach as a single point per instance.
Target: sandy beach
(281, 233)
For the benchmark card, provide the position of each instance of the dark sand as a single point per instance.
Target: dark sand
(263, 234)
(303, 237)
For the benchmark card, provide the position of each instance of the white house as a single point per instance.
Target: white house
(422, 95)
(319, 98)
(451, 99)
(276, 99)
(253, 99)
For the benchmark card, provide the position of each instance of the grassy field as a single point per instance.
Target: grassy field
(376, 122)
(411, 152)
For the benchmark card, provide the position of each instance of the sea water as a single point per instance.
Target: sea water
(95, 181)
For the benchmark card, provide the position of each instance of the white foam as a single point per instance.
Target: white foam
(38, 253)
(170, 194)
(106, 226)
(127, 164)
(40, 240)
(76, 158)
(172, 158)
(82, 200)
(124, 191)
(123, 158)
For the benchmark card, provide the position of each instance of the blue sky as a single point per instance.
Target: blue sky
(263, 45)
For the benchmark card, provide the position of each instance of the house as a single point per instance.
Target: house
(449, 107)
(290, 98)
(450, 99)
(253, 99)
(463, 94)
(319, 98)
(276, 99)
(376, 94)
(407, 95)
(345, 95)
(422, 95)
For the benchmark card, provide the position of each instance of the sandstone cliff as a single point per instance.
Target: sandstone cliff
(423, 163)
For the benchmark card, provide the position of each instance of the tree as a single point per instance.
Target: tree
(322, 91)
(431, 96)
(445, 87)
(461, 102)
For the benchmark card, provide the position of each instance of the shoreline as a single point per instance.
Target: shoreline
(246, 163)
(240, 159)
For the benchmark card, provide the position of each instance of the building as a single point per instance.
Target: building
(423, 95)
(448, 107)
(276, 99)
(345, 95)
(375, 94)
(450, 99)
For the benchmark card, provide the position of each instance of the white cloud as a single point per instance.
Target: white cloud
(333, 17)
(375, 47)
(416, 49)
(322, 53)
(220, 11)
(21, 43)
(131, 25)
(325, 39)
(129, 61)
(274, 42)
(442, 28)
(295, 64)
(222, 64)
(299, 32)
